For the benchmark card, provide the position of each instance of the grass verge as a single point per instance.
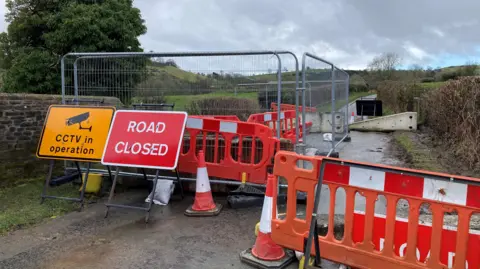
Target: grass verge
(417, 155)
(20, 205)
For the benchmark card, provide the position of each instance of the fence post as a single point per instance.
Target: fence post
(75, 81)
(279, 95)
(62, 64)
(333, 108)
(304, 81)
(347, 90)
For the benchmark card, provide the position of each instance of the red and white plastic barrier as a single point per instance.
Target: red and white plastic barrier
(287, 123)
(231, 148)
(421, 187)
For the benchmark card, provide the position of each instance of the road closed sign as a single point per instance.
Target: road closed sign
(75, 132)
(150, 139)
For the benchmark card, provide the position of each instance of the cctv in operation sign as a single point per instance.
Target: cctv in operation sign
(150, 139)
(75, 132)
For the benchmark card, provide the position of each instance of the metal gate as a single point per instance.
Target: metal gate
(184, 81)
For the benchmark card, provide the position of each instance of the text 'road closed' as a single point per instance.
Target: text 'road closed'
(75, 132)
(149, 139)
(136, 148)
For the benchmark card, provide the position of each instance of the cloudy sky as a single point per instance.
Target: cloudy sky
(346, 32)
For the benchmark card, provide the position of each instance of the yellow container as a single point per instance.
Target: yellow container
(94, 182)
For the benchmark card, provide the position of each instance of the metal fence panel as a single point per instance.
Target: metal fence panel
(325, 89)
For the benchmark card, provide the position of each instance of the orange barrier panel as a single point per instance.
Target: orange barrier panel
(375, 241)
(231, 148)
(284, 107)
(222, 117)
(287, 123)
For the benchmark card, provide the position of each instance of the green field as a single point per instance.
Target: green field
(182, 101)
(179, 73)
(432, 85)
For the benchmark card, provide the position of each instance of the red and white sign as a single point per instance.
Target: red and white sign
(448, 240)
(150, 139)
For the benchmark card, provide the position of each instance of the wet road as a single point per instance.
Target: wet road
(368, 147)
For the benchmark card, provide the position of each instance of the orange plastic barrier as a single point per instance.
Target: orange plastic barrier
(284, 107)
(375, 241)
(231, 148)
(222, 117)
(287, 123)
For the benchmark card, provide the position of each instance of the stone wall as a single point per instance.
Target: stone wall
(21, 121)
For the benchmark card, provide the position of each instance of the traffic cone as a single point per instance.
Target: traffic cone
(203, 204)
(266, 253)
(352, 118)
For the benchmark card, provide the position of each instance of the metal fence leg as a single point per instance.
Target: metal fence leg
(82, 194)
(147, 217)
(110, 173)
(47, 180)
(79, 171)
(112, 190)
(313, 222)
(180, 183)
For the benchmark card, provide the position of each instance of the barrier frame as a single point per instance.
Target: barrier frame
(80, 199)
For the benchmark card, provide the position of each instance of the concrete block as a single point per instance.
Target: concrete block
(322, 122)
(406, 121)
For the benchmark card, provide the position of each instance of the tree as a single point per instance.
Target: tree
(385, 62)
(416, 72)
(469, 69)
(41, 32)
(381, 68)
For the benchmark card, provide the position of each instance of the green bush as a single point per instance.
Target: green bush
(453, 114)
(450, 75)
(427, 80)
(266, 98)
(399, 96)
(358, 88)
(240, 107)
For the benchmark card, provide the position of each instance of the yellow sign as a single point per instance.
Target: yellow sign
(75, 132)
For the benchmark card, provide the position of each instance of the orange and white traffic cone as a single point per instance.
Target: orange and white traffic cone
(203, 204)
(266, 253)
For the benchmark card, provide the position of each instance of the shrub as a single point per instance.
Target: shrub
(427, 80)
(357, 84)
(447, 75)
(241, 107)
(453, 114)
(265, 98)
(358, 88)
(399, 96)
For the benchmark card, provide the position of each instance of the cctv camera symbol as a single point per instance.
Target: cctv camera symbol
(79, 119)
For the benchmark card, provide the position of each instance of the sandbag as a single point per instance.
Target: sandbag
(163, 192)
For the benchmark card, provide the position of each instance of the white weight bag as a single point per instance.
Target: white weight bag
(163, 191)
